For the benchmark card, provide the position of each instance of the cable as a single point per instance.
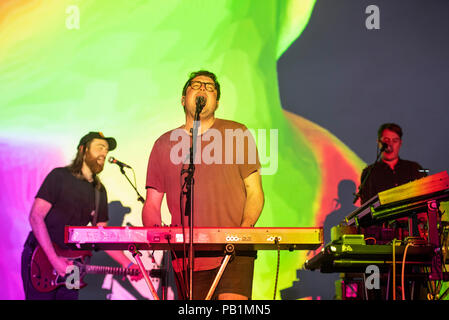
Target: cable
(388, 285)
(134, 174)
(276, 241)
(179, 277)
(394, 269)
(445, 242)
(184, 249)
(403, 269)
(365, 178)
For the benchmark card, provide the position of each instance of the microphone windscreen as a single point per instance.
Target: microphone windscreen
(200, 100)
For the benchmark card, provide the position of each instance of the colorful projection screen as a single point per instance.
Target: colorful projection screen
(69, 67)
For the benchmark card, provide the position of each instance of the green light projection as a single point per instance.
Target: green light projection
(69, 67)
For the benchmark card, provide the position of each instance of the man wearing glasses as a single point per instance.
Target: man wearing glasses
(226, 193)
(391, 171)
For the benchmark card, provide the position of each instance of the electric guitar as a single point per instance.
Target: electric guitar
(45, 278)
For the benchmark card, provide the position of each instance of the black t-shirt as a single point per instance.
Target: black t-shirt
(382, 177)
(73, 202)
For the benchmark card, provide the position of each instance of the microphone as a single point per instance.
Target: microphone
(120, 164)
(200, 103)
(385, 147)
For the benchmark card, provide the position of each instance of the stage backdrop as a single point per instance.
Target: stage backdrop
(70, 67)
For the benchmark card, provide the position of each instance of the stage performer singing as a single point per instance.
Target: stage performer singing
(391, 171)
(227, 186)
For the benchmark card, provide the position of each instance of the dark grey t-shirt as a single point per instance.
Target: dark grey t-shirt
(73, 202)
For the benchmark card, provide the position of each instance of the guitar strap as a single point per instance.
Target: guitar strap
(97, 204)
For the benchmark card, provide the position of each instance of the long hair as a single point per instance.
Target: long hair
(77, 164)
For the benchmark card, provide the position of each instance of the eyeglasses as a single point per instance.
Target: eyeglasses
(196, 85)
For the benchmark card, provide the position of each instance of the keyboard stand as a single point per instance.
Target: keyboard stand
(229, 253)
(136, 255)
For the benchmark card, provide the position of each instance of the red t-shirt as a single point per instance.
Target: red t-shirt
(226, 154)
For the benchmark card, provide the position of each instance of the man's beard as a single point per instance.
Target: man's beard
(92, 163)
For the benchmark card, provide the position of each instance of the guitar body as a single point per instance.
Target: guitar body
(43, 276)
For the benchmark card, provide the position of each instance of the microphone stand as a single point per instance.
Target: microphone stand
(189, 183)
(362, 185)
(139, 197)
(136, 254)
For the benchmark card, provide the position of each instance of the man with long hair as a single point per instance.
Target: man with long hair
(71, 195)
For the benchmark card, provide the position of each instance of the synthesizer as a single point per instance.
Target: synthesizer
(405, 200)
(204, 239)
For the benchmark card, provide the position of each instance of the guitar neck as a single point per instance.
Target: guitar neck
(112, 270)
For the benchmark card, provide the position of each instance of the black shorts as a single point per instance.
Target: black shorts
(237, 278)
